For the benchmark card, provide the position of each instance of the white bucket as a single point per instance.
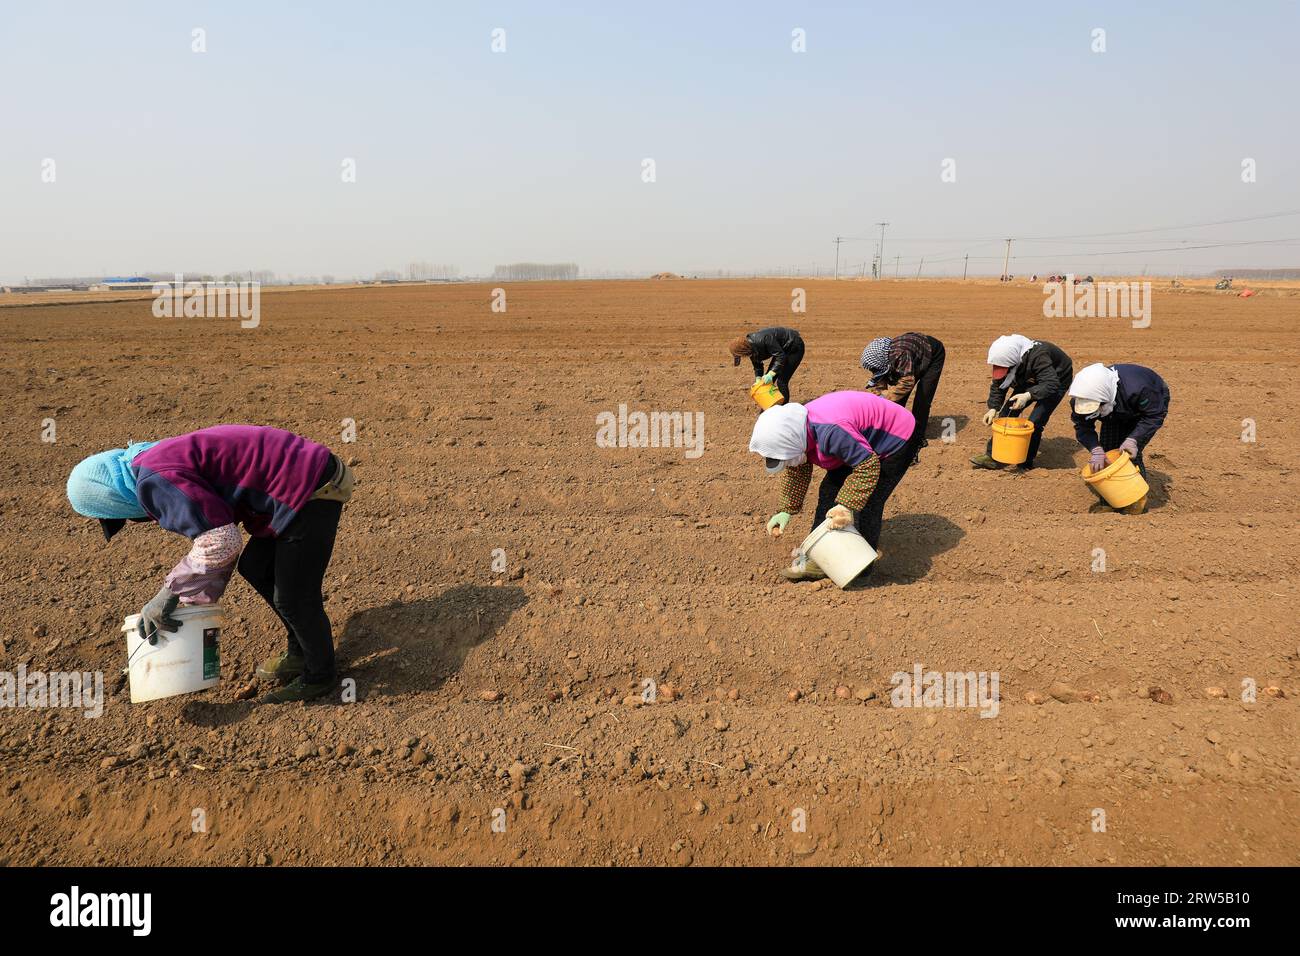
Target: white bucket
(841, 552)
(182, 661)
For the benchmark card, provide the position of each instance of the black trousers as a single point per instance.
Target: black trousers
(927, 383)
(1039, 415)
(792, 360)
(1114, 430)
(288, 572)
(872, 515)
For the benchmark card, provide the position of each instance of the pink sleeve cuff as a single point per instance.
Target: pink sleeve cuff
(202, 575)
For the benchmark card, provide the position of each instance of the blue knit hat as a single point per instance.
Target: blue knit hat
(875, 357)
(103, 486)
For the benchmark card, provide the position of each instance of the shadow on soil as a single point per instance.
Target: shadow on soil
(412, 646)
(1161, 486)
(934, 428)
(398, 648)
(1059, 452)
(910, 543)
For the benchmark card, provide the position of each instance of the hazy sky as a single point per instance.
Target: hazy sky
(166, 159)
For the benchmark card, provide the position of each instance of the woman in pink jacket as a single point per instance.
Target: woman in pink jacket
(858, 438)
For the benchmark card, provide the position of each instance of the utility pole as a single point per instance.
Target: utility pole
(918, 267)
(896, 258)
(837, 255)
(882, 226)
(964, 266)
(1006, 262)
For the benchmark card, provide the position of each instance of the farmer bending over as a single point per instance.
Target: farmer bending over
(907, 364)
(783, 346)
(861, 441)
(1023, 372)
(287, 491)
(1130, 402)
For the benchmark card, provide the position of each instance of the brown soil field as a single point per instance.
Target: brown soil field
(507, 697)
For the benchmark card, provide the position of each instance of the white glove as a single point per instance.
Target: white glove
(990, 415)
(1020, 401)
(839, 517)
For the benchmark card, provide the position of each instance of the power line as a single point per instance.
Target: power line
(1125, 252)
(1196, 225)
(1086, 235)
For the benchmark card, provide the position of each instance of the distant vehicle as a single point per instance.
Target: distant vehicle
(1225, 283)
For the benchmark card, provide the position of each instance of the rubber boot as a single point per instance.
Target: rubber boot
(283, 667)
(809, 571)
(297, 689)
(986, 461)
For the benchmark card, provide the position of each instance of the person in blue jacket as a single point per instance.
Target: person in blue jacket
(1129, 402)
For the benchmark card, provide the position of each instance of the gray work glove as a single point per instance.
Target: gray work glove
(1098, 460)
(157, 615)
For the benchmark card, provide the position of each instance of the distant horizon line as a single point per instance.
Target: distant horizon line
(270, 277)
(1255, 274)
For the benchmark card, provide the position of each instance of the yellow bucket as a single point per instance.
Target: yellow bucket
(1011, 440)
(1120, 483)
(766, 394)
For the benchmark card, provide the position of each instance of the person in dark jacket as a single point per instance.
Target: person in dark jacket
(287, 492)
(784, 347)
(1130, 402)
(907, 364)
(1024, 371)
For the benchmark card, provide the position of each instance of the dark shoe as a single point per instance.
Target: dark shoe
(283, 668)
(986, 461)
(1098, 507)
(297, 689)
(1023, 467)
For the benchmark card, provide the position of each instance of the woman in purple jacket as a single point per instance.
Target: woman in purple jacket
(287, 492)
(860, 439)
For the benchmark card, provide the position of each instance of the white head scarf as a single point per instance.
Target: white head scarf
(781, 433)
(1096, 383)
(1007, 351)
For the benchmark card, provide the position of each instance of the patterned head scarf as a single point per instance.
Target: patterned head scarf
(875, 357)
